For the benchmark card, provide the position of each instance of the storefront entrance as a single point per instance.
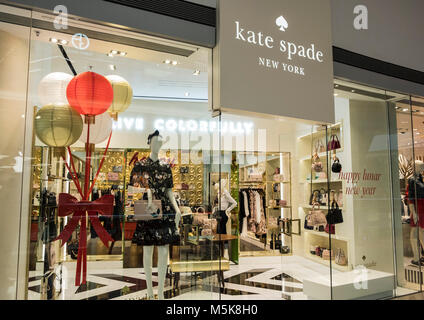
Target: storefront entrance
(250, 206)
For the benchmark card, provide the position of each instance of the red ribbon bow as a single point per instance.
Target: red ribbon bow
(69, 204)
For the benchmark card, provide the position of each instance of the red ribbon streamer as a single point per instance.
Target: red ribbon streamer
(70, 205)
(79, 210)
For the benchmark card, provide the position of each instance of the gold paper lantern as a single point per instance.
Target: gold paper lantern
(58, 125)
(122, 95)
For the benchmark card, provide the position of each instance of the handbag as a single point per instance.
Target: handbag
(319, 146)
(117, 168)
(306, 226)
(316, 217)
(144, 213)
(336, 167)
(341, 259)
(330, 228)
(315, 197)
(316, 163)
(335, 215)
(327, 254)
(334, 143)
(323, 197)
(112, 176)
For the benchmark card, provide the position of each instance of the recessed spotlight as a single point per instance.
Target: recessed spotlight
(196, 73)
(353, 91)
(397, 108)
(405, 110)
(336, 94)
(417, 133)
(187, 94)
(114, 52)
(110, 54)
(123, 53)
(336, 85)
(63, 42)
(174, 63)
(54, 40)
(112, 67)
(167, 61)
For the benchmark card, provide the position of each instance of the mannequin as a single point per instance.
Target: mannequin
(161, 232)
(222, 210)
(415, 196)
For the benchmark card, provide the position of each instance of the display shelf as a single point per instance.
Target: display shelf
(279, 207)
(322, 207)
(334, 265)
(320, 132)
(326, 235)
(317, 181)
(323, 155)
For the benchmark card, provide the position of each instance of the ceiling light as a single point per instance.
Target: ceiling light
(336, 94)
(123, 53)
(405, 110)
(196, 73)
(187, 94)
(353, 90)
(112, 67)
(54, 40)
(110, 54)
(174, 63)
(417, 133)
(167, 61)
(63, 42)
(397, 108)
(114, 52)
(336, 85)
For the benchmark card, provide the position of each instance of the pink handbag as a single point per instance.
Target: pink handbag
(326, 255)
(316, 217)
(112, 176)
(316, 163)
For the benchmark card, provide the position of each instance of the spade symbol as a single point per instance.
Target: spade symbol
(282, 23)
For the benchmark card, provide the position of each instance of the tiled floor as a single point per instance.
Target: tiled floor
(255, 278)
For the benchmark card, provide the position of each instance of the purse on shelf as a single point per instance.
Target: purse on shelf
(319, 146)
(316, 217)
(330, 228)
(112, 176)
(117, 169)
(341, 259)
(316, 163)
(339, 198)
(327, 254)
(323, 197)
(315, 197)
(335, 215)
(336, 167)
(334, 143)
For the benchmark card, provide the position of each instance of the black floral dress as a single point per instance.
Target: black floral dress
(159, 178)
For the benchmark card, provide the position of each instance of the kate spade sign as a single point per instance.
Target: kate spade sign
(275, 57)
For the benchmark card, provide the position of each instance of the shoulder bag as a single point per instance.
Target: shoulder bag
(334, 215)
(316, 217)
(334, 143)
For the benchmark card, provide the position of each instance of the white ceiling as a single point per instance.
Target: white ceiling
(143, 69)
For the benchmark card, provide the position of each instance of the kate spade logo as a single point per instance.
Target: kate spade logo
(282, 23)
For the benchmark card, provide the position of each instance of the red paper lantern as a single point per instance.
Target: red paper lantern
(89, 93)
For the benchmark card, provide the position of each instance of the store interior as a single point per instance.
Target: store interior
(276, 170)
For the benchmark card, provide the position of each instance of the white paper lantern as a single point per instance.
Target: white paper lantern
(99, 131)
(52, 88)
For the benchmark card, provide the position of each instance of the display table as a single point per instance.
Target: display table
(348, 286)
(217, 266)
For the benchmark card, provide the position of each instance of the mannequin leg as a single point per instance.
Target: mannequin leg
(414, 242)
(163, 252)
(147, 263)
(421, 235)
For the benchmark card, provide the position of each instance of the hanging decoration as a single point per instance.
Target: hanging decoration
(58, 125)
(99, 131)
(89, 93)
(52, 88)
(122, 95)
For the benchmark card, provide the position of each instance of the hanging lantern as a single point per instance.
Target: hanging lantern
(58, 125)
(122, 95)
(52, 88)
(89, 93)
(99, 130)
